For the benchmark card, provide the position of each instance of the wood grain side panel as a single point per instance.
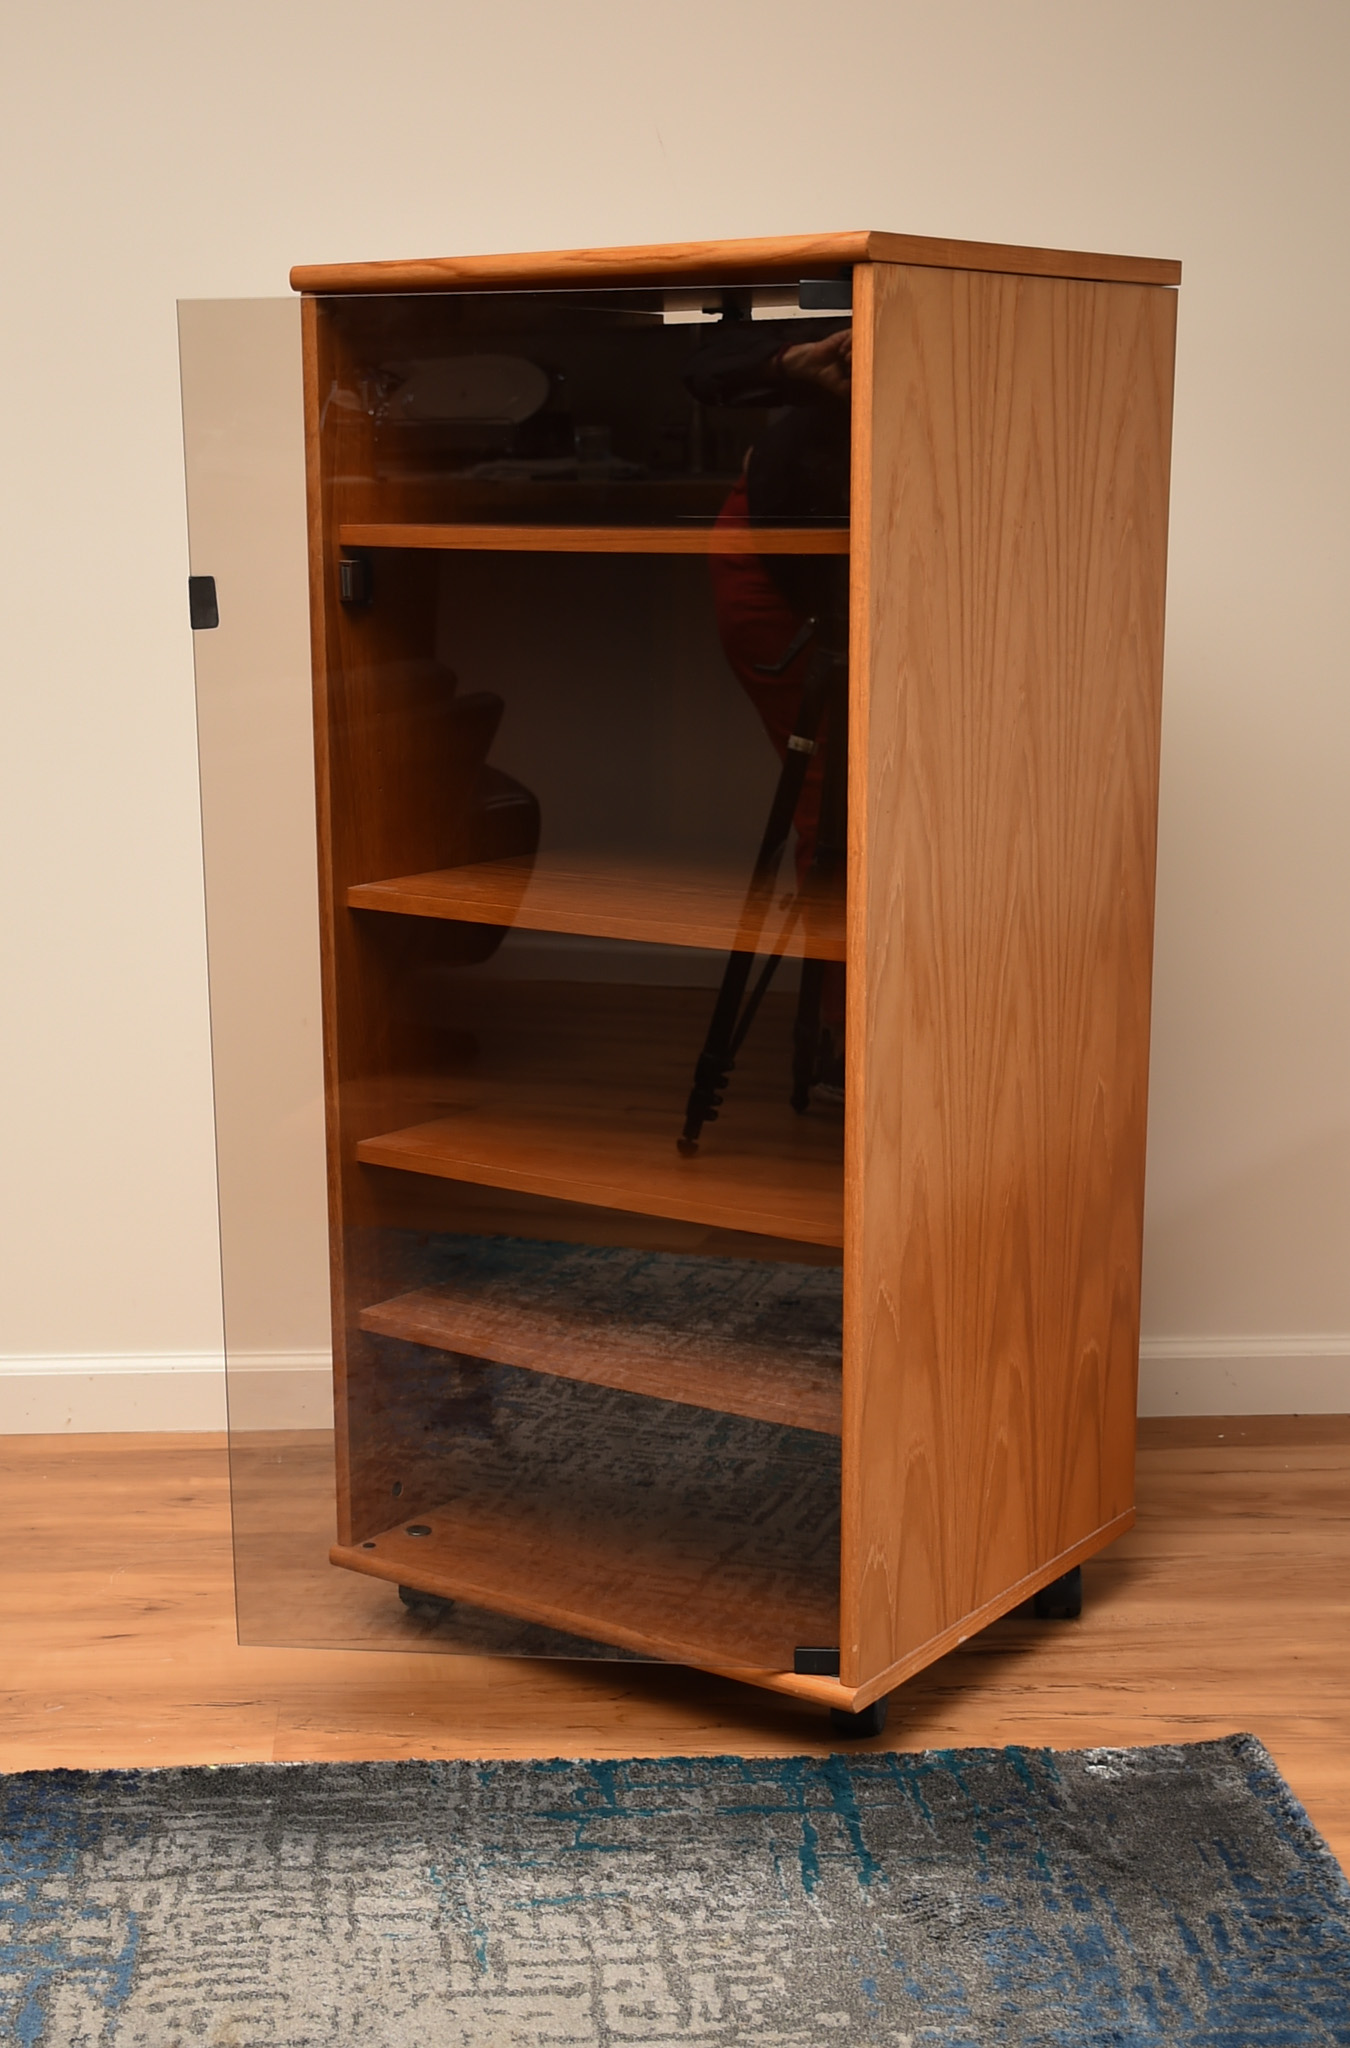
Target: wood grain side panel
(782, 256)
(1008, 650)
(1004, 1603)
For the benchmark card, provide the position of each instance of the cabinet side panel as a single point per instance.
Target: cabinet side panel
(1010, 502)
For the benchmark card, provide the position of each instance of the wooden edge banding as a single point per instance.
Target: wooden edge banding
(821, 1692)
(1013, 260)
(643, 262)
(858, 1046)
(313, 368)
(775, 256)
(1002, 1603)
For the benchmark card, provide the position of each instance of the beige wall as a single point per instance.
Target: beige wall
(162, 152)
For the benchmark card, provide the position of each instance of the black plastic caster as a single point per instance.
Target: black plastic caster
(426, 1606)
(1062, 1599)
(868, 1721)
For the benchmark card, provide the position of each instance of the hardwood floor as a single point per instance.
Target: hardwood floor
(1228, 1607)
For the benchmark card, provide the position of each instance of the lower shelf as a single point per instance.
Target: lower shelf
(642, 1586)
(740, 1336)
(699, 1537)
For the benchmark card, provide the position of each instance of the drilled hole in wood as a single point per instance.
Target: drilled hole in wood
(417, 1529)
(397, 1488)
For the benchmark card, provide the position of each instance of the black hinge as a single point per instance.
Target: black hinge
(203, 611)
(808, 1663)
(355, 580)
(826, 294)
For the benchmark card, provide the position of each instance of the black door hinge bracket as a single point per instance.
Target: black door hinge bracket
(810, 1663)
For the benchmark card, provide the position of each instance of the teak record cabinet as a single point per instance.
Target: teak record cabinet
(977, 1192)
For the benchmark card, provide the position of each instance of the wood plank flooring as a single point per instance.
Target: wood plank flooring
(1227, 1607)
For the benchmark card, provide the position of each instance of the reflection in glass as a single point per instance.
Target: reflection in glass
(582, 742)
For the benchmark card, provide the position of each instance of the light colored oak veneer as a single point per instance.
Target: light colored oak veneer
(1010, 526)
(1005, 555)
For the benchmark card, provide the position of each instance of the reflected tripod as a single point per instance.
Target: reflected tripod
(821, 723)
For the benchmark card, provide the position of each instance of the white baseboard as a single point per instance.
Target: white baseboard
(185, 1390)
(1302, 1375)
(169, 1390)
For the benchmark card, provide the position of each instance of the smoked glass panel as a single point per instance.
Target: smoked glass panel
(581, 718)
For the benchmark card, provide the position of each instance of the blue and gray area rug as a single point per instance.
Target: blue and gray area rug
(999, 1897)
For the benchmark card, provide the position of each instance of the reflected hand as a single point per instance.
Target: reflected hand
(825, 365)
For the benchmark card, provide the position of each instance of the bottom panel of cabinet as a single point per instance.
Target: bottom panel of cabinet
(720, 1551)
(636, 1595)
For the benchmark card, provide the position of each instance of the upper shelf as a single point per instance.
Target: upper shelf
(659, 904)
(601, 540)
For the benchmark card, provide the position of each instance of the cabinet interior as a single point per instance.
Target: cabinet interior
(584, 1379)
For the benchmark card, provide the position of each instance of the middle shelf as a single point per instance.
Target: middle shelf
(577, 1092)
(612, 1155)
(659, 902)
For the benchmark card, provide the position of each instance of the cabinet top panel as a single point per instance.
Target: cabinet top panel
(780, 256)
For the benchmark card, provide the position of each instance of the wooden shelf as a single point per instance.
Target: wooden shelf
(656, 903)
(577, 1091)
(740, 1336)
(602, 540)
(760, 1169)
(638, 1572)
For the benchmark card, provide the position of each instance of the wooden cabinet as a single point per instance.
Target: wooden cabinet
(855, 1377)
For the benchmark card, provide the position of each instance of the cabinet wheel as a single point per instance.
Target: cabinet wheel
(426, 1606)
(1062, 1599)
(867, 1721)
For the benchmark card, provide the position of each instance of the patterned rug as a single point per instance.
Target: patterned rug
(999, 1897)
